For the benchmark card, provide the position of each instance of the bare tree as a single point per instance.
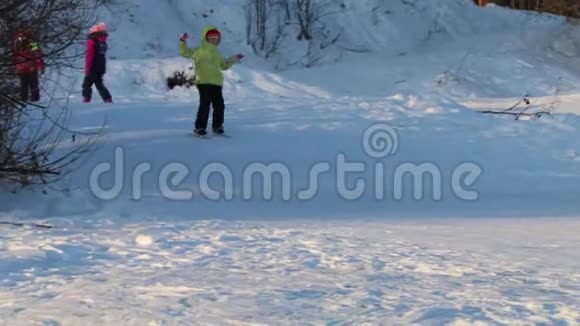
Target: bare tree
(266, 24)
(310, 15)
(36, 145)
(269, 22)
(569, 8)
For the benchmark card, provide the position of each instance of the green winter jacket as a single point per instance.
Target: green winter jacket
(207, 60)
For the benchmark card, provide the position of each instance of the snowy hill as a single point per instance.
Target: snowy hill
(369, 25)
(458, 45)
(197, 233)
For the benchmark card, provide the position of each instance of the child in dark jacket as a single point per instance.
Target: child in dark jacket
(96, 63)
(29, 63)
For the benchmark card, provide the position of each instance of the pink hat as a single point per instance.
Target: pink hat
(98, 28)
(214, 33)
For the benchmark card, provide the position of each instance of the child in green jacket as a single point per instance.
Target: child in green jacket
(208, 76)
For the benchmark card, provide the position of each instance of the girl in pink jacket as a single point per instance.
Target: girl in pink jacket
(96, 63)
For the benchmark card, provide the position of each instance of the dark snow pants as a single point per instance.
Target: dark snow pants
(97, 80)
(29, 85)
(210, 95)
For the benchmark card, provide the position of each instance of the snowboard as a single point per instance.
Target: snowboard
(210, 135)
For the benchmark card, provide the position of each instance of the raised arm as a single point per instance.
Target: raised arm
(227, 63)
(184, 50)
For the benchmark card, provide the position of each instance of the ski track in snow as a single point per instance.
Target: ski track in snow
(242, 273)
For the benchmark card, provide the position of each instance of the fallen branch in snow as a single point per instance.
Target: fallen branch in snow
(524, 99)
(518, 115)
(36, 225)
(354, 50)
(545, 109)
(27, 170)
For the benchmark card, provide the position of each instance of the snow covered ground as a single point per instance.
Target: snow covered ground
(492, 238)
(453, 272)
